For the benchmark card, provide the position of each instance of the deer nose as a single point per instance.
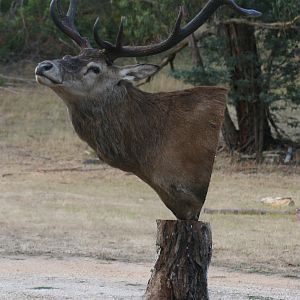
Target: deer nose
(48, 70)
(43, 67)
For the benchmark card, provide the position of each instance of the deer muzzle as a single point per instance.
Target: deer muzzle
(48, 73)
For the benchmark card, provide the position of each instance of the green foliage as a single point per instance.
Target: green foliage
(197, 76)
(26, 30)
(5, 5)
(278, 52)
(2, 81)
(23, 29)
(281, 56)
(278, 58)
(213, 71)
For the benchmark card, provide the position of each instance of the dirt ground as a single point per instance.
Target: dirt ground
(71, 228)
(85, 278)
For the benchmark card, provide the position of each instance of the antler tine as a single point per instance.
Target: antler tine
(176, 36)
(66, 22)
(245, 12)
(72, 10)
(103, 44)
(176, 27)
(107, 45)
(59, 8)
(112, 51)
(120, 34)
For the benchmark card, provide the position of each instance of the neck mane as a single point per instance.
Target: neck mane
(123, 127)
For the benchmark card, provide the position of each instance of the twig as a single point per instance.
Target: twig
(239, 211)
(275, 25)
(74, 47)
(171, 54)
(17, 79)
(8, 90)
(74, 169)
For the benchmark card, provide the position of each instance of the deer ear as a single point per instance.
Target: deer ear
(138, 72)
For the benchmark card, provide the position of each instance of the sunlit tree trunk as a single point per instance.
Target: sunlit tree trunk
(184, 254)
(229, 132)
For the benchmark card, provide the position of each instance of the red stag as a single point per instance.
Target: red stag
(169, 140)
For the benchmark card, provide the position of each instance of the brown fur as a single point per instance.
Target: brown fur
(169, 139)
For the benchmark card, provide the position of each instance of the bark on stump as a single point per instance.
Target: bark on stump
(180, 272)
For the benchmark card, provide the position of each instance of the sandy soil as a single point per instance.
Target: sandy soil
(85, 278)
(51, 209)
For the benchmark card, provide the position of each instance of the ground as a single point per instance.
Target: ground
(73, 227)
(85, 278)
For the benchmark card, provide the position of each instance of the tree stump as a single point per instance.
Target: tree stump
(184, 253)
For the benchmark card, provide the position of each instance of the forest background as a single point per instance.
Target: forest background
(257, 58)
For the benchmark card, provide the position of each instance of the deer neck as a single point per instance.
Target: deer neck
(123, 126)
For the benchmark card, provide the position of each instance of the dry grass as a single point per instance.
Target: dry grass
(52, 203)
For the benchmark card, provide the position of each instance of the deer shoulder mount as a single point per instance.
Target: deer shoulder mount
(169, 139)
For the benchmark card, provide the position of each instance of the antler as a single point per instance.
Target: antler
(176, 36)
(66, 22)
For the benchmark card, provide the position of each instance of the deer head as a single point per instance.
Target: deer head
(93, 71)
(167, 139)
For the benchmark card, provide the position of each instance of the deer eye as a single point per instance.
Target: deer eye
(94, 69)
(67, 57)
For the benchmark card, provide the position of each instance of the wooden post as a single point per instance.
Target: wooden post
(180, 272)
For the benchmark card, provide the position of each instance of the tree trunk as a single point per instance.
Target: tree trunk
(197, 60)
(254, 133)
(180, 272)
(196, 56)
(229, 132)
